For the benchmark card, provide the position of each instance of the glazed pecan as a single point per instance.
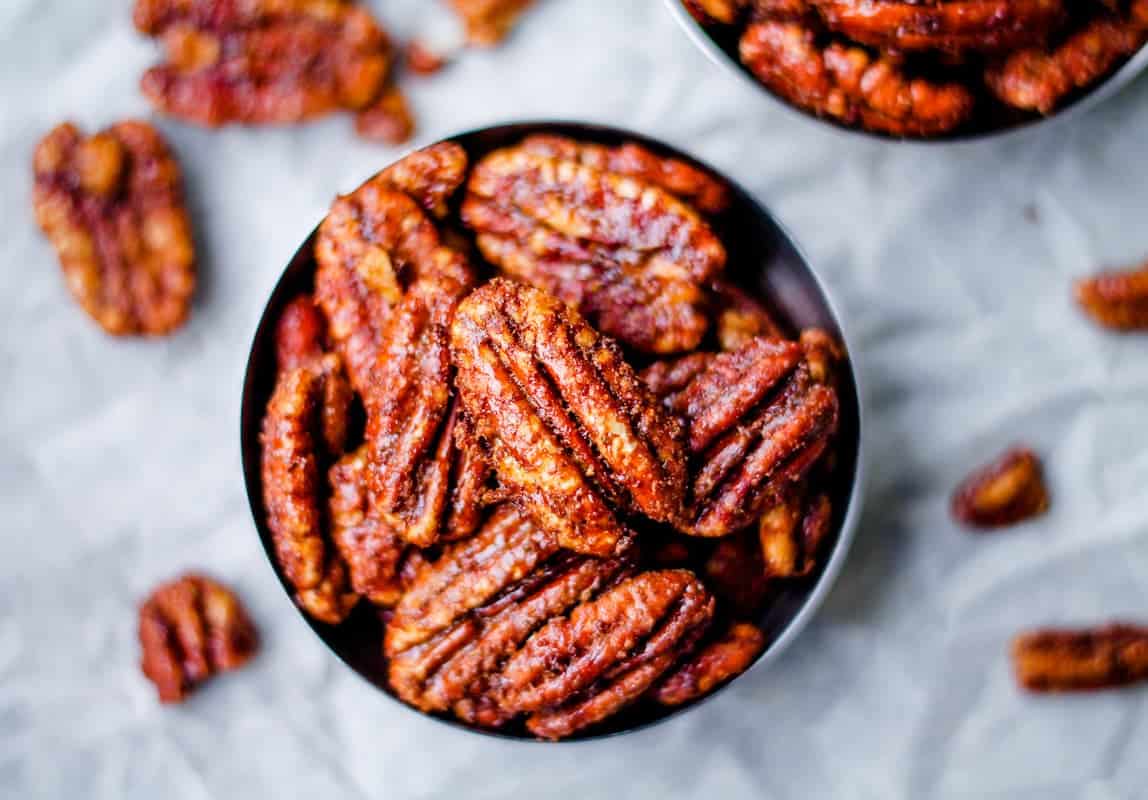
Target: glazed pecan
(741, 317)
(758, 422)
(849, 84)
(470, 610)
(291, 495)
(263, 61)
(1080, 660)
(791, 534)
(1039, 79)
(572, 431)
(421, 59)
(1117, 300)
(1009, 490)
(489, 21)
(632, 257)
(190, 629)
(376, 558)
(374, 244)
(716, 12)
(577, 670)
(389, 119)
(735, 571)
(715, 663)
(943, 25)
(112, 206)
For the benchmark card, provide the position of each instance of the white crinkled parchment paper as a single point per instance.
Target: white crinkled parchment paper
(119, 461)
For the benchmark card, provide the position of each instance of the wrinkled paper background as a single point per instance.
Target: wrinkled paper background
(119, 461)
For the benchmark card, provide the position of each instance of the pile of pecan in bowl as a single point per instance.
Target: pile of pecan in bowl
(530, 459)
(927, 68)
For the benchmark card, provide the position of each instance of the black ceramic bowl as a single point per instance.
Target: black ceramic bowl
(721, 47)
(763, 258)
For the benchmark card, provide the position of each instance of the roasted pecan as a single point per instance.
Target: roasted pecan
(823, 354)
(1117, 300)
(716, 12)
(291, 489)
(190, 629)
(849, 84)
(389, 119)
(375, 556)
(624, 251)
(1080, 660)
(715, 663)
(735, 571)
(792, 532)
(374, 244)
(467, 612)
(758, 422)
(1009, 490)
(488, 21)
(668, 379)
(112, 206)
(572, 431)
(946, 25)
(741, 317)
(1039, 79)
(263, 61)
(577, 670)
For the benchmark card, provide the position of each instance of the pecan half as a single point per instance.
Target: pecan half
(849, 84)
(758, 422)
(578, 670)
(291, 488)
(1117, 300)
(489, 21)
(1039, 79)
(715, 663)
(389, 119)
(1080, 660)
(1009, 490)
(954, 26)
(374, 244)
(190, 629)
(262, 61)
(624, 251)
(376, 558)
(112, 206)
(716, 12)
(572, 431)
(741, 317)
(791, 534)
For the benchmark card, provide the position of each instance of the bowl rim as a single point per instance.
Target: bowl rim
(250, 451)
(1103, 91)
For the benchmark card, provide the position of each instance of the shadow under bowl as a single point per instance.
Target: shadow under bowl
(763, 258)
(721, 47)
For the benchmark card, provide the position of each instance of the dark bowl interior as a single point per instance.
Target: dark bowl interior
(720, 44)
(762, 258)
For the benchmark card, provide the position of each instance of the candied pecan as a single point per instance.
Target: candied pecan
(668, 379)
(1039, 79)
(693, 185)
(577, 670)
(489, 21)
(715, 12)
(791, 534)
(848, 84)
(741, 317)
(190, 629)
(429, 176)
(725, 657)
(1081, 660)
(422, 60)
(374, 244)
(735, 571)
(262, 62)
(572, 431)
(758, 423)
(112, 206)
(823, 352)
(1117, 300)
(389, 119)
(633, 257)
(376, 558)
(426, 482)
(1009, 490)
(291, 495)
(300, 335)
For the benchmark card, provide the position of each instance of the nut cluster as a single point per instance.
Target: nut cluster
(479, 439)
(923, 68)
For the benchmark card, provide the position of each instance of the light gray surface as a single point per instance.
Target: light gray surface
(119, 461)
